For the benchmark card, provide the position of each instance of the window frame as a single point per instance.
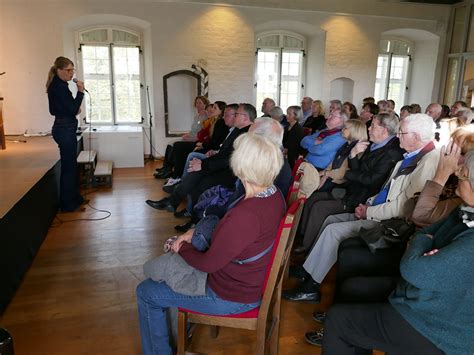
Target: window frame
(110, 44)
(280, 49)
(390, 55)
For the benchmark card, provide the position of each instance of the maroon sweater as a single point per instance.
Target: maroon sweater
(246, 230)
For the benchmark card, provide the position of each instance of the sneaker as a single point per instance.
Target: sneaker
(172, 182)
(315, 338)
(319, 317)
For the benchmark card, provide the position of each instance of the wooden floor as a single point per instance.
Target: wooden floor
(79, 295)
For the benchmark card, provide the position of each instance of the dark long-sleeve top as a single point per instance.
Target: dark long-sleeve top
(218, 135)
(245, 231)
(61, 102)
(291, 141)
(436, 292)
(367, 174)
(221, 160)
(315, 123)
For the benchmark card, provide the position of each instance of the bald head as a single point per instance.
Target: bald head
(434, 111)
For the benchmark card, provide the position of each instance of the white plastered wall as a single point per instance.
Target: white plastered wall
(177, 35)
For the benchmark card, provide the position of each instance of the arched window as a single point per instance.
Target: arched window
(111, 66)
(392, 71)
(279, 69)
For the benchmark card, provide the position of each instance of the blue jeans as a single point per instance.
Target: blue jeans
(64, 134)
(190, 157)
(154, 298)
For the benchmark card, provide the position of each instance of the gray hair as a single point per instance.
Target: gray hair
(268, 128)
(338, 103)
(469, 164)
(421, 124)
(465, 115)
(297, 111)
(389, 121)
(276, 112)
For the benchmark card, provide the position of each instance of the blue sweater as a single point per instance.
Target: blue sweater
(436, 293)
(322, 154)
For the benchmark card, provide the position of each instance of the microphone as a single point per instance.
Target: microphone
(75, 80)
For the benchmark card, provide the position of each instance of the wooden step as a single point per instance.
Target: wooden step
(86, 157)
(103, 173)
(103, 168)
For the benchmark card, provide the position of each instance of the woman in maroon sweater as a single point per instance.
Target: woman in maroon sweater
(246, 231)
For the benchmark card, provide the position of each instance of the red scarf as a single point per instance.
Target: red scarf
(328, 132)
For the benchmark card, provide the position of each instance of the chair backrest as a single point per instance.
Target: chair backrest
(280, 256)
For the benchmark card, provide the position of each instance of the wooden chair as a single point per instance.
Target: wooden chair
(265, 320)
(293, 192)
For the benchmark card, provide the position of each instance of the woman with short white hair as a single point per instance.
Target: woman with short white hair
(240, 251)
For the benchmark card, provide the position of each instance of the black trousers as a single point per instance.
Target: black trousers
(317, 208)
(181, 150)
(357, 329)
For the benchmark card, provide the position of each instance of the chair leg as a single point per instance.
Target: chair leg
(275, 331)
(214, 331)
(182, 336)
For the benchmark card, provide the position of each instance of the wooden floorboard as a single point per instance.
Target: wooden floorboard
(79, 295)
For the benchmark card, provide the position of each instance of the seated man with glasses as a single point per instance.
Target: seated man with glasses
(408, 178)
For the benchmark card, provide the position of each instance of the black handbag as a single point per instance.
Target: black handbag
(388, 233)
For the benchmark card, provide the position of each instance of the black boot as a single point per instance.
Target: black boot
(307, 292)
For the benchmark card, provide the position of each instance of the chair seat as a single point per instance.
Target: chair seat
(253, 313)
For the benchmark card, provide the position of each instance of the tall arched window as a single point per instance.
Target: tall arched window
(392, 71)
(279, 70)
(111, 66)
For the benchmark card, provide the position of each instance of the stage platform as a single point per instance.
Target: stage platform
(29, 200)
(22, 165)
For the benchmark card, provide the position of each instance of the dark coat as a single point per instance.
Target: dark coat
(291, 141)
(367, 174)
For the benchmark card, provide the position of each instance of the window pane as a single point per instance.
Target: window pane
(398, 80)
(458, 30)
(127, 84)
(292, 42)
(468, 82)
(381, 77)
(267, 75)
(96, 66)
(470, 36)
(94, 36)
(124, 37)
(451, 79)
(268, 41)
(290, 78)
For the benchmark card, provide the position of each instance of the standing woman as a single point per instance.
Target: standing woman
(64, 107)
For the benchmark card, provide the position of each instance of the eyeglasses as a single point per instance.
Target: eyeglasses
(69, 70)
(241, 113)
(400, 132)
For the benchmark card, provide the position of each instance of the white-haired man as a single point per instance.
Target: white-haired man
(407, 178)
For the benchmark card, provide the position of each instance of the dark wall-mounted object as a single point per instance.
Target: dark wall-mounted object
(179, 89)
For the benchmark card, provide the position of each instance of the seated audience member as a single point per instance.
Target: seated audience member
(405, 111)
(363, 179)
(445, 111)
(391, 106)
(246, 230)
(407, 178)
(455, 107)
(350, 110)
(306, 105)
(434, 111)
(293, 134)
(267, 105)
(431, 310)
(323, 145)
(368, 100)
(215, 113)
(463, 118)
(316, 121)
(367, 113)
(335, 105)
(271, 130)
(277, 114)
(200, 103)
(354, 131)
(207, 149)
(384, 106)
(415, 108)
(212, 171)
